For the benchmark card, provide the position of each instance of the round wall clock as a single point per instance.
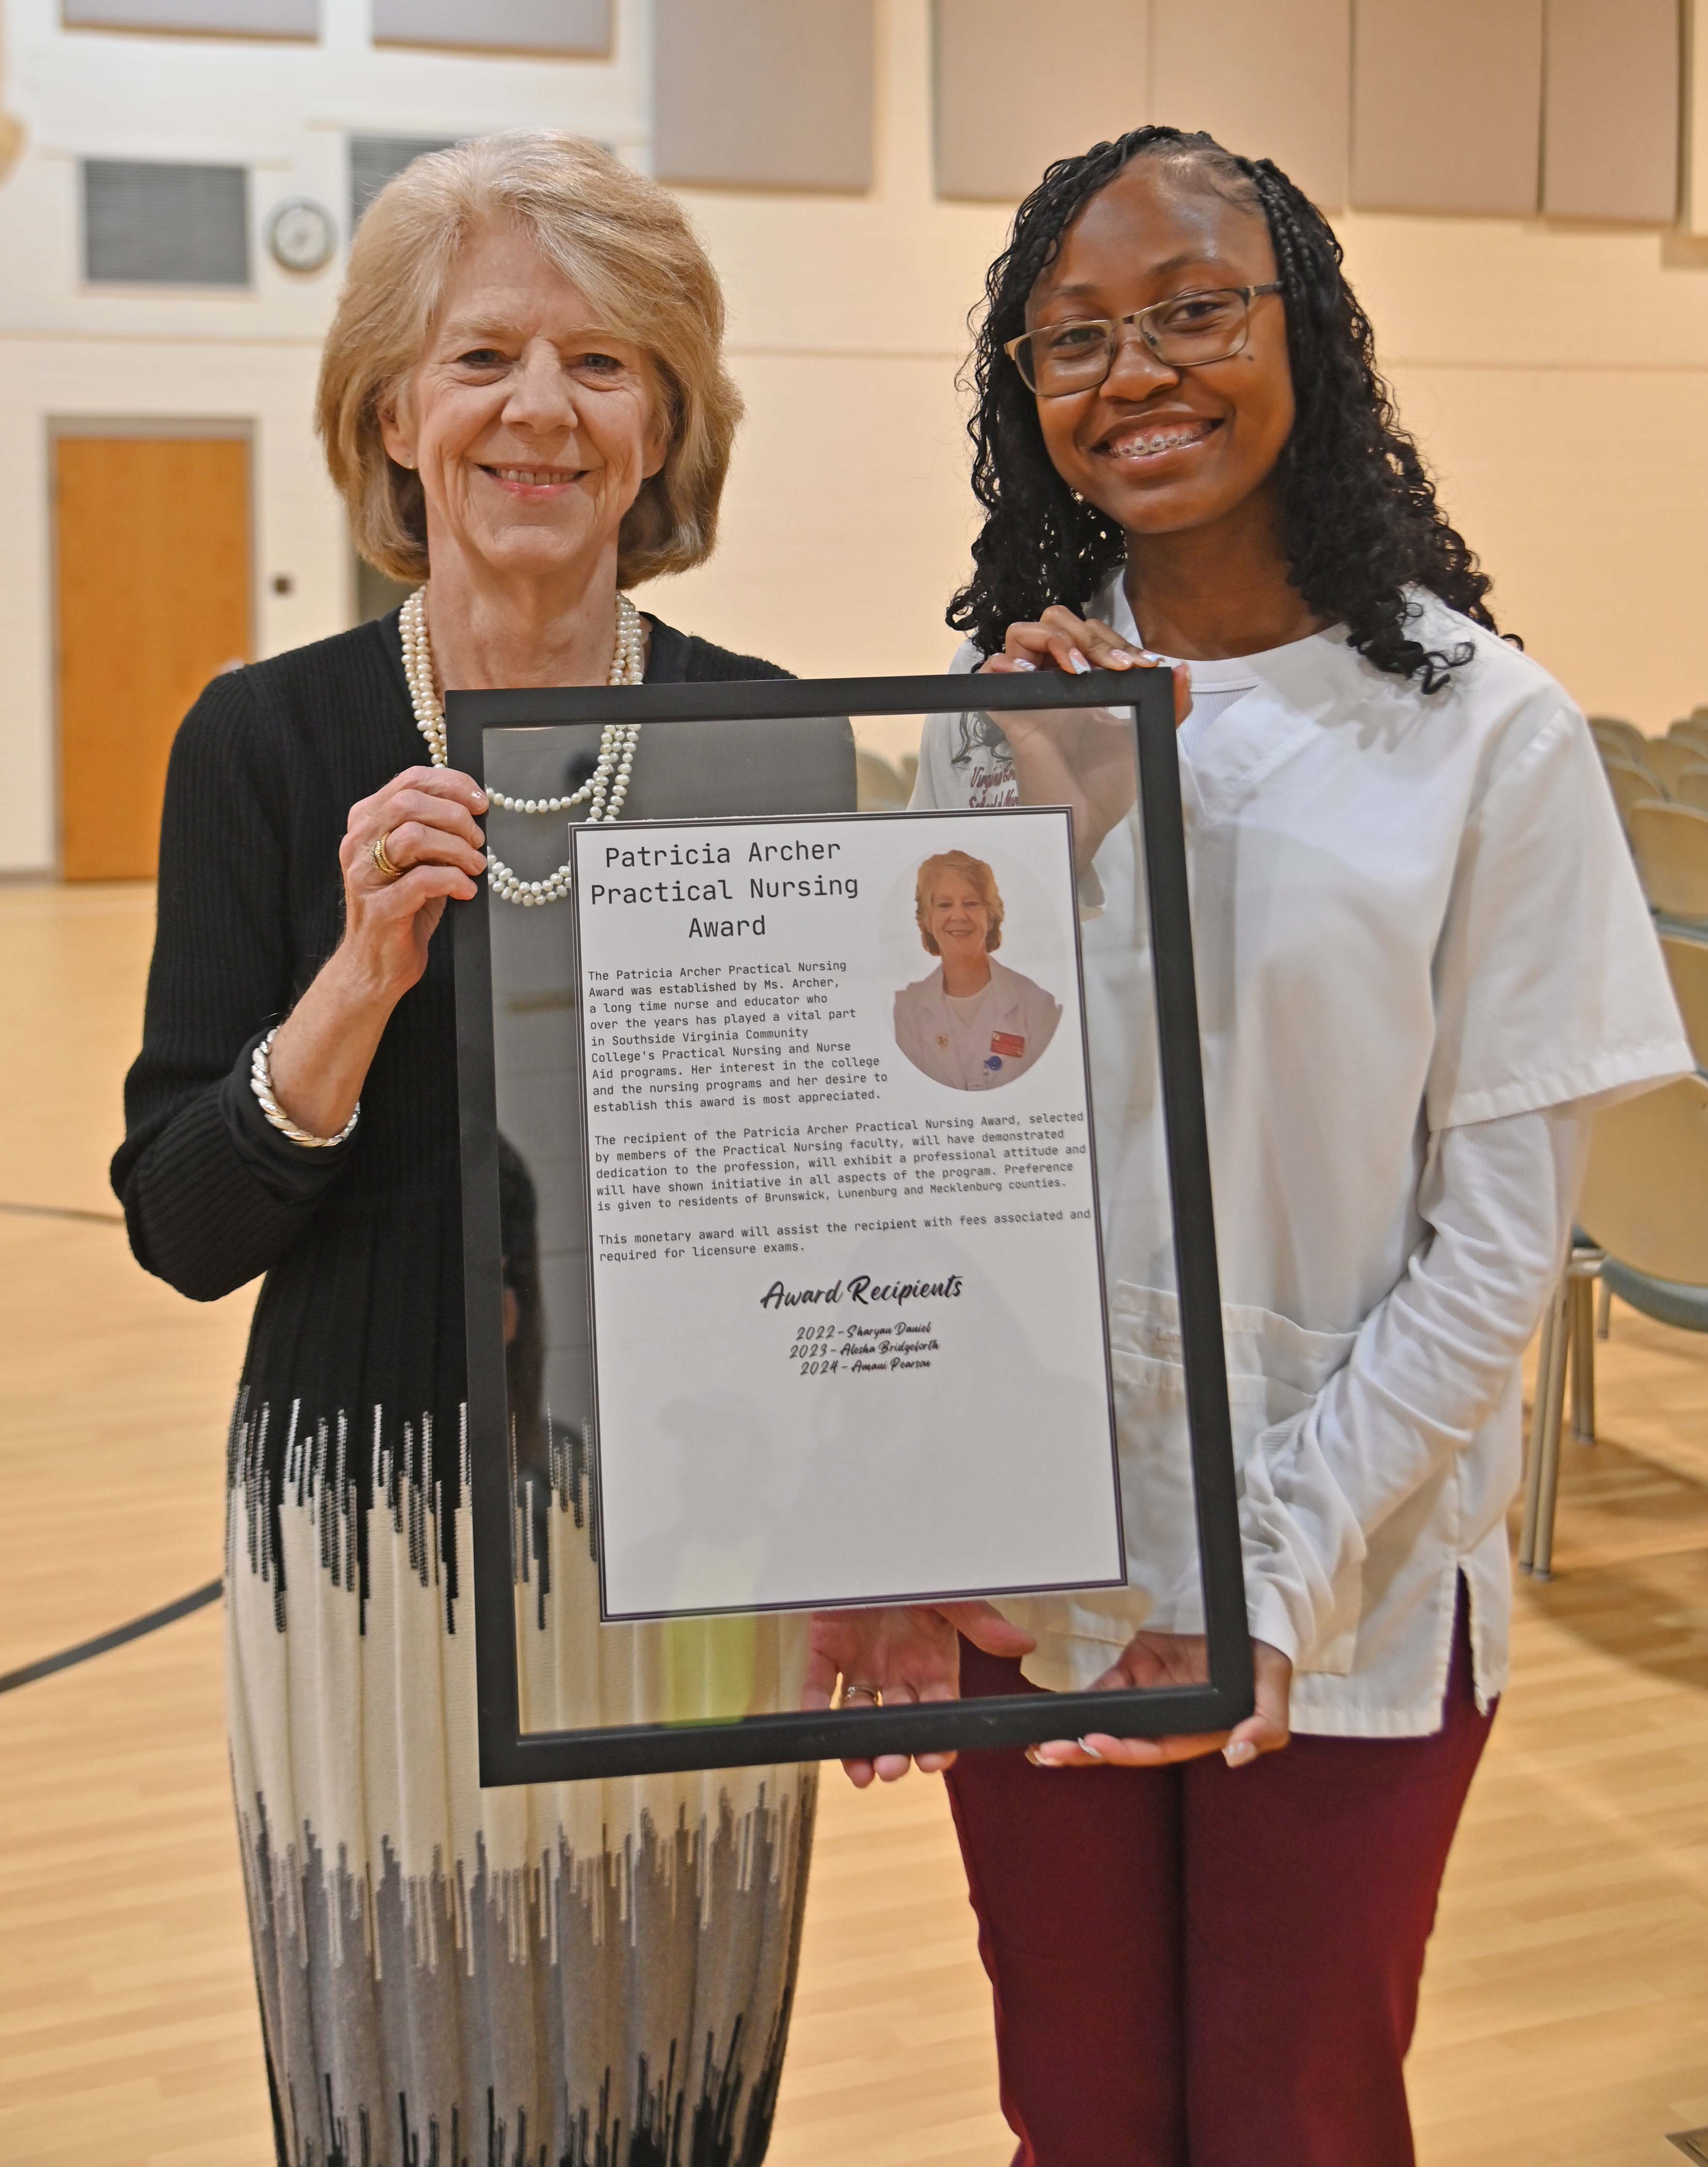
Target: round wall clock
(300, 235)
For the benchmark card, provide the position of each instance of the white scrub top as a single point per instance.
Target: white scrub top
(1414, 919)
(983, 1041)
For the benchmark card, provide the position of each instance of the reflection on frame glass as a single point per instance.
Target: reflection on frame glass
(784, 1242)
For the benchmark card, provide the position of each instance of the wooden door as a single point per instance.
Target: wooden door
(153, 599)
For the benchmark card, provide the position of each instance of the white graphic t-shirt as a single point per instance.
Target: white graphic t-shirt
(1422, 957)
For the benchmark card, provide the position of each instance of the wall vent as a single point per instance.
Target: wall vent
(376, 159)
(165, 225)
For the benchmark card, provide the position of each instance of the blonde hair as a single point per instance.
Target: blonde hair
(978, 876)
(628, 248)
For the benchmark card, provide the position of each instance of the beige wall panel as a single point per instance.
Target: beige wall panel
(1007, 105)
(763, 93)
(1269, 81)
(1581, 490)
(1610, 130)
(1447, 105)
(1695, 114)
(846, 526)
(1507, 293)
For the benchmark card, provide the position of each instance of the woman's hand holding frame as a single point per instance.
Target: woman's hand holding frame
(408, 850)
(1154, 1660)
(905, 1653)
(1081, 757)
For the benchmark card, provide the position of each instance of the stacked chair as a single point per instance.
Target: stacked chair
(1666, 758)
(1690, 786)
(1669, 841)
(881, 786)
(1687, 962)
(1660, 786)
(1632, 786)
(1624, 751)
(1644, 1234)
(1688, 782)
(1643, 1218)
(1612, 733)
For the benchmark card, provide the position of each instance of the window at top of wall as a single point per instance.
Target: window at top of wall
(577, 29)
(165, 225)
(376, 159)
(214, 19)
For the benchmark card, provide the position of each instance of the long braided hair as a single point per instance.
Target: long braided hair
(1359, 518)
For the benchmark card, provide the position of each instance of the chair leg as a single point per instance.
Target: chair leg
(1548, 1465)
(1604, 1310)
(1538, 1403)
(1583, 1359)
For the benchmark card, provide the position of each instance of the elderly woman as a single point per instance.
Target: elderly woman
(524, 405)
(972, 1023)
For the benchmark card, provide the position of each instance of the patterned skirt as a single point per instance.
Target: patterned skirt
(591, 1974)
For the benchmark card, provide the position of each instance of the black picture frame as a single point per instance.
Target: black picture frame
(508, 1754)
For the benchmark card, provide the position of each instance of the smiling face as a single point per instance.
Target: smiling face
(532, 428)
(1159, 449)
(958, 919)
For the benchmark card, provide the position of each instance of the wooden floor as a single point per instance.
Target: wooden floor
(1566, 2009)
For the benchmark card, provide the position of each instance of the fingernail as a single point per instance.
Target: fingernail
(479, 798)
(1021, 662)
(1082, 668)
(1238, 1752)
(1119, 659)
(1084, 1747)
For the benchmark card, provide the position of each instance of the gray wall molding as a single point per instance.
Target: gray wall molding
(214, 19)
(569, 29)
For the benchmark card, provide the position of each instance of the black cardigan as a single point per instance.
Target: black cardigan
(356, 1355)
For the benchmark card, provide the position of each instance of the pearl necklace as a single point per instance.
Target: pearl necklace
(603, 792)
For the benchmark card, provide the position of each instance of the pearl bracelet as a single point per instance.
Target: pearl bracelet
(261, 1083)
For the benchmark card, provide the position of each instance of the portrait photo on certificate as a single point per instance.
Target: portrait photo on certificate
(847, 1323)
(973, 1023)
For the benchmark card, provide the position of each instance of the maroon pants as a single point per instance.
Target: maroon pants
(1205, 1965)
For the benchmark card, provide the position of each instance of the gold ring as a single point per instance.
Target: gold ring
(870, 1692)
(383, 864)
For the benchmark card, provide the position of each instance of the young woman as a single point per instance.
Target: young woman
(1422, 957)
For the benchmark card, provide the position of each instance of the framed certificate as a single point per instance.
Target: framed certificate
(837, 1224)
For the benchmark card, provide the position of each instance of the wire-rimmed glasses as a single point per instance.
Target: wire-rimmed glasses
(1184, 331)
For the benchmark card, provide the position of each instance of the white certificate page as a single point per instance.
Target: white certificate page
(848, 1315)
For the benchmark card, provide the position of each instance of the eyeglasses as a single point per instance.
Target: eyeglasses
(1184, 332)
